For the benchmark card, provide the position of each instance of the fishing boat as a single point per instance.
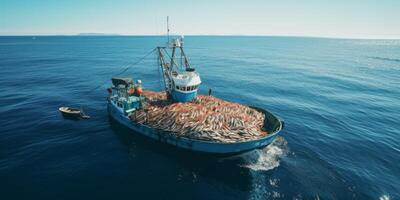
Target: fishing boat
(126, 101)
(271, 124)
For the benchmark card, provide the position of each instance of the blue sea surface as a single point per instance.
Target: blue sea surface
(340, 99)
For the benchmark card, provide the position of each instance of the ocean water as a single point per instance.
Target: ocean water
(340, 99)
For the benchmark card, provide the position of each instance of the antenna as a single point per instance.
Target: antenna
(168, 29)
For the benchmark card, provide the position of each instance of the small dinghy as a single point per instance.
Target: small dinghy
(73, 113)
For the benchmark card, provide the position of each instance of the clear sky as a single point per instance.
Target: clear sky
(322, 18)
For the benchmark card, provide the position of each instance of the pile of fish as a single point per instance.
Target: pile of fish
(205, 118)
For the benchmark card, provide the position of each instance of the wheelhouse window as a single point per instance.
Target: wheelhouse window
(187, 88)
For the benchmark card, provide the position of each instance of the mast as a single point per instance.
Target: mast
(165, 70)
(173, 58)
(168, 30)
(187, 65)
(186, 84)
(173, 47)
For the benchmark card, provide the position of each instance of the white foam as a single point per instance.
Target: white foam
(384, 197)
(274, 182)
(264, 160)
(267, 158)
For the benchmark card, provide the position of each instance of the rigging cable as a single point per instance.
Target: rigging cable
(126, 69)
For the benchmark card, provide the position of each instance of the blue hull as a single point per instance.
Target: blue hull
(199, 145)
(183, 97)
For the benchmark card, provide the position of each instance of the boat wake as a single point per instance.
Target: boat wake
(267, 158)
(384, 197)
(385, 58)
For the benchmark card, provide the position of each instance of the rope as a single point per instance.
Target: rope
(173, 60)
(83, 115)
(126, 69)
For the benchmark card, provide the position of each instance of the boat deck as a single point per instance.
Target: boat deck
(206, 118)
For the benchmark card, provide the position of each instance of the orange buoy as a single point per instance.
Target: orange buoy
(131, 91)
(139, 91)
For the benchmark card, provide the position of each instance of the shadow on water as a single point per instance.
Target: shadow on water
(72, 118)
(227, 169)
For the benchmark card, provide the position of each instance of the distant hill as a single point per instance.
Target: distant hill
(97, 34)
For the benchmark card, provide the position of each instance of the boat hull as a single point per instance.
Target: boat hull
(197, 145)
(184, 96)
(70, 113)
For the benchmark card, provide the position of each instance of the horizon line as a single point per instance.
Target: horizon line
(238, 35)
